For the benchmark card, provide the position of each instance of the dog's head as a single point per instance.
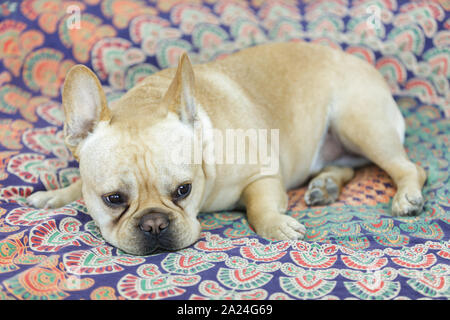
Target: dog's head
(138, 196)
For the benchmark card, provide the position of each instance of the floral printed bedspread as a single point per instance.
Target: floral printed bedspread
(353, 249)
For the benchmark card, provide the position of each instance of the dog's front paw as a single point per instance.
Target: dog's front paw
(46, 199)
(407, 203)
(282, 227)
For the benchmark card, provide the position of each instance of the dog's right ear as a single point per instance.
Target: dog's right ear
(180, 95)
(84, 104)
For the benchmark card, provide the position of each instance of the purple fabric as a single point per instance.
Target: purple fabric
(353, 249)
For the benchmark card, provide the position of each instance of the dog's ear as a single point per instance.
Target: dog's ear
(84, 104)
(179, 98)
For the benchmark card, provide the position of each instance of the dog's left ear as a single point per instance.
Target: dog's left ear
(84, 105)
(179, 98)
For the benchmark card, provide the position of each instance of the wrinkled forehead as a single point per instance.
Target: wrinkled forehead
(102, 157)
(116, 156)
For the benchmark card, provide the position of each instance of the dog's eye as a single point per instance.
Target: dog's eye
(114, 199)
(182, 191)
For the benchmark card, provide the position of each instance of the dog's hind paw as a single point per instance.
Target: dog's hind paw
(407, 203)
(321, 191)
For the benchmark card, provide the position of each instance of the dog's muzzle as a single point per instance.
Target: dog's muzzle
(156, 229)
(154, 223)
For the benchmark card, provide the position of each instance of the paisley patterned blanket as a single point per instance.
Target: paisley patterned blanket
(354, 249)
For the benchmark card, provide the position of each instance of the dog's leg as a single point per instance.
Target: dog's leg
(376, 132)
(408, 177)
(55, 198)
(266, 202)
(325, 187)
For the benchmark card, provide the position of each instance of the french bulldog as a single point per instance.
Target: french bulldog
(329, 112)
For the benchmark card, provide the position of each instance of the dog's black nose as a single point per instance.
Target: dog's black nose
(154, 223)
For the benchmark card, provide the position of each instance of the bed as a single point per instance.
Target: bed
(353, 249)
